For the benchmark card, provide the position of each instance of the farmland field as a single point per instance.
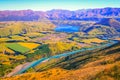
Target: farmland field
(29, 45)
(3, 39)
(4, 48)
(16, 37)
(17, 47)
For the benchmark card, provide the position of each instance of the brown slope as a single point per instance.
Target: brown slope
(88, 72)
(110, 22)
(106, 62)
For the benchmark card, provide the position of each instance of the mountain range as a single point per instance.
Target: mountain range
(59, 14)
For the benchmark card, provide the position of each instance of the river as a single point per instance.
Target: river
(34, 63)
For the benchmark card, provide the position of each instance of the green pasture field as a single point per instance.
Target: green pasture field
(17, 47)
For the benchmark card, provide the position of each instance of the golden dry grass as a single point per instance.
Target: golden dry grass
(29, 45)
(33, 34)
(61, 74)
(96, 40)
(3, 39)
(88, 72)
(3, 48)
(19, 38)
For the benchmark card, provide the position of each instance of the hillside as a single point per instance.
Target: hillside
(58, 14)
(108, 27)
(17, 28)
(110, 22)
(101, 64)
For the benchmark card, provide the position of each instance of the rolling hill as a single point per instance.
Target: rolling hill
(110, 22)
(108, 26)
(98, 64)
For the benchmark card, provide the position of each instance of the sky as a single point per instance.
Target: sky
(45, 5)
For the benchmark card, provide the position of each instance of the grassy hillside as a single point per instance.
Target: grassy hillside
(13, 28)
(52, 49)
(24, 42)
(99, 64)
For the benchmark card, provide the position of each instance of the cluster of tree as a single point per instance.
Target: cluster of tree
(51, 49)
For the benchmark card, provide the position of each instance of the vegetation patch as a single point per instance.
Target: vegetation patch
(17, 47)
(4, 39)
(92, 40)
(16, 37)
(4, 49)
(29, 45)
(33, 35)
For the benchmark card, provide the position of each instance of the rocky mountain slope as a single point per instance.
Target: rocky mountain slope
(83, 14)
(108, 26)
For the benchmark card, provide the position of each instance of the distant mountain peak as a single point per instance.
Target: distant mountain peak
(61, 14)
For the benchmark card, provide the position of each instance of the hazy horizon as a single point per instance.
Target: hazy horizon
(45, 5)
(59, 9)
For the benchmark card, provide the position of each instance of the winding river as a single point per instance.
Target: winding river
(34, 63)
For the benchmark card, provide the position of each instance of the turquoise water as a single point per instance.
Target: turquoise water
(67, 28)
(34, 63)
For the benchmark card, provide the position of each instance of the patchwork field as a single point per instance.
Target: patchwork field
(17, 47)
(29, 45)
(16, 37)
(21, 47)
